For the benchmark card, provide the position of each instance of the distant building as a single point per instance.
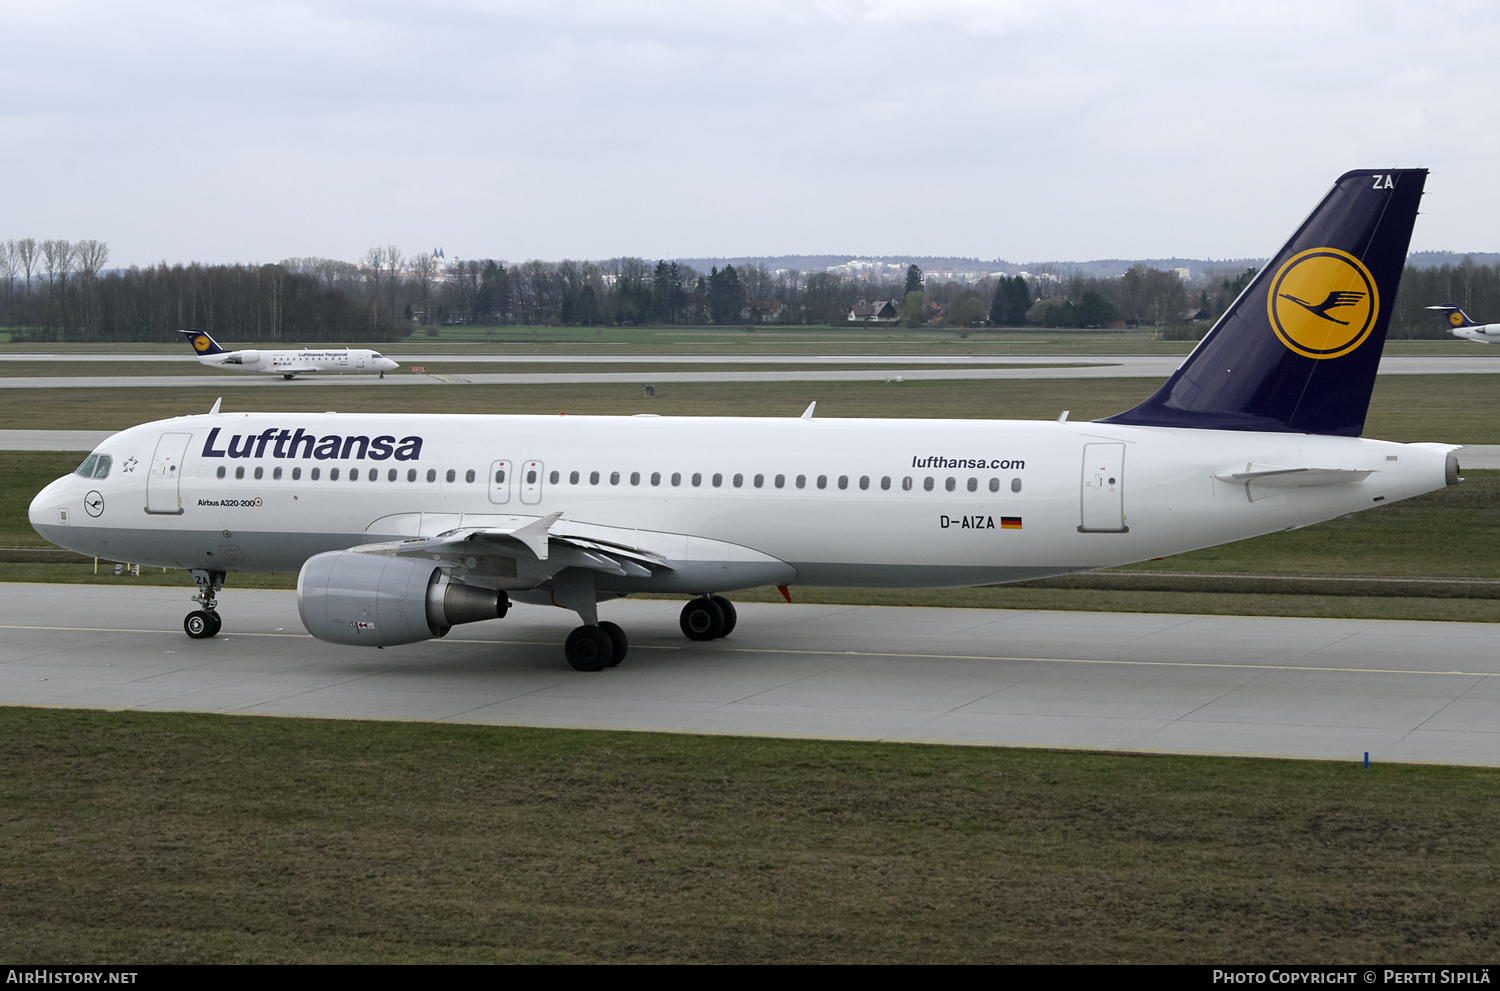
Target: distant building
(1196, 314)
(880, 311)
(1183, 273)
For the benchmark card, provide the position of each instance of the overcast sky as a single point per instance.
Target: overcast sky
(248, 131)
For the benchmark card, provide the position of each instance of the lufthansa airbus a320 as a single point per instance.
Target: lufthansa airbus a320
(402, 526)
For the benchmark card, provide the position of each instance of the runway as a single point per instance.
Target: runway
(1334, 689)
(1014, 367)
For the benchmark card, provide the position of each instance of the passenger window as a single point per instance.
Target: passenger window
(676, 478)
(432, 474)
(656, 478)
(843, 481)
(573, 478)
(531, 477)
(86, 470)
(353, 474)
(906, 484)
(781, 481)
(553, 478)
(593, 478)
(333, 474)
(885, 481)
(822, 481)
(469, 475)
(697, 478)
(951, 483)
(718, 480)
(259, 473)
(316, 472)
(220, 472)
(390, 476)
(1015, 485)
(239, 472)
(411, 474)
(499, 476)
(296, 474)
(864, 481)
(276, 474)
(994, 485)
(101, 470)
(760, 480)
(374, 474)
(973, 485)
(738, 480)
(614, 478)
(801, 481)
(451, 476)
(635, 478)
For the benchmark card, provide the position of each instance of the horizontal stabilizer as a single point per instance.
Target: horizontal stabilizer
(1280, 476)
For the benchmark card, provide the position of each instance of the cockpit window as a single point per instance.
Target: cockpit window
(376, 354)
(95, 466)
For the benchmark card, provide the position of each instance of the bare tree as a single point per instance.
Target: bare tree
(90, 256)
(27, 257)
(393, 259)
(424, 275)
(57, 259)
(9, 266)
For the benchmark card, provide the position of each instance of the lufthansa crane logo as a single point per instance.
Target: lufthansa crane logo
(1455, 318)
(202, 343)
(1323, 303)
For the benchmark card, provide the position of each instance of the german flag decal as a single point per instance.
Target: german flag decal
(1010, 522)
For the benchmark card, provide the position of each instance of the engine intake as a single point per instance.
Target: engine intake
(376, 600)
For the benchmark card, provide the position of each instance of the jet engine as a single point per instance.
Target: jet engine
(377, 600)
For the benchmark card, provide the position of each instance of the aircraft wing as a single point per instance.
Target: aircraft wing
(522, 552)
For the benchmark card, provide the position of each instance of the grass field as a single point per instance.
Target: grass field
(173, 837)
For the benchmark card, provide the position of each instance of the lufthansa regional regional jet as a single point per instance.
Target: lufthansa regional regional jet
(303, 361)
(1459, 325)
(404, 525)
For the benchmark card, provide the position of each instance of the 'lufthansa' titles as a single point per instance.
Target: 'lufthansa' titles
(286, 444)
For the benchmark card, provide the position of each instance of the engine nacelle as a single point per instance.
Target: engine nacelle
(377, 600)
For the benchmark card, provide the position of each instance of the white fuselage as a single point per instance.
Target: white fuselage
(895, 503)
(303, 361)
(1488, 333)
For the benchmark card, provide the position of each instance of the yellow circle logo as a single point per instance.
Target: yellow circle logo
(202, 343)
(1323, 303)
(1455, 319)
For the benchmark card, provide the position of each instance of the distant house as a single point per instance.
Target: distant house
(1196, 314)
(880, 311)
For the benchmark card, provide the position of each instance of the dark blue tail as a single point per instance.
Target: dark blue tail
(1457, 318)
(201, 342)
(1298, 350)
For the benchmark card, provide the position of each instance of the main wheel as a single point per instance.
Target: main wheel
(617, 640)
(589, 649)
(287, 377)
(199, 625)
(702, 619)
(730, 616)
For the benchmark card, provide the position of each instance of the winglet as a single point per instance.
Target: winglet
(807, 413)
(216, 406)
(534, 535)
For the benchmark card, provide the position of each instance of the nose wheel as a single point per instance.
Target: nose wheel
(200, 624)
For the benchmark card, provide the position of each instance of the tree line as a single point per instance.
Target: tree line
(56, 290)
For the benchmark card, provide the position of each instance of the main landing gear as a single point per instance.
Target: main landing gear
(707, 617)
(200, 624)
(596, 646)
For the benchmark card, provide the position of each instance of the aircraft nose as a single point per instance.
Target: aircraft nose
(48, 505)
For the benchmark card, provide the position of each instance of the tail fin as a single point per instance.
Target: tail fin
(1298, 350)
(201, 342)
(1457, 319)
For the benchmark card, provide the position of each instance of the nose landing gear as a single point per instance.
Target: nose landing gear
(200, 624)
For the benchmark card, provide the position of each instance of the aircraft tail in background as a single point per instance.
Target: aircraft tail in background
(1457, 319)
(202, 343)
(1298, 350)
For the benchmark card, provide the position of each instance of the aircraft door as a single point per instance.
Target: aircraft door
(163, 481)
(1103, 499)
(500, 482)
(360, 359)
(531, 483)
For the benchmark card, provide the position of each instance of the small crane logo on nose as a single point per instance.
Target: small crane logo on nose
(93, 504)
